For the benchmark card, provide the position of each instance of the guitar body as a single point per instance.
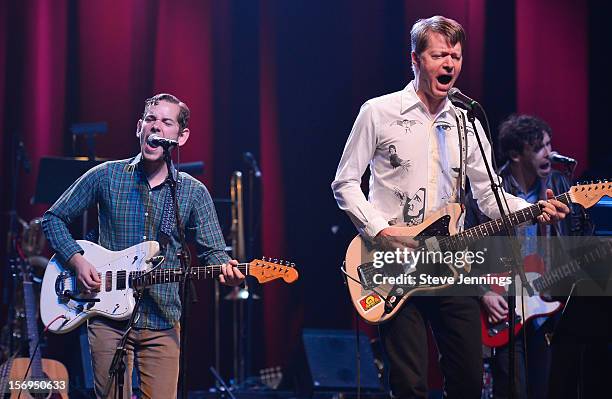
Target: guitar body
(496, 335)
(62, 305)
(378, 303)
(53, 371)
(116, 299)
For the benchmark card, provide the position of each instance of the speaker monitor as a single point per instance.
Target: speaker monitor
(331, 357)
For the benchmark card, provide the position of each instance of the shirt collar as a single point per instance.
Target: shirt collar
(136, 163)
(506, 173)
(410, 99)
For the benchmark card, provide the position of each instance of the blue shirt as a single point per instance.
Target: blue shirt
(130, 212)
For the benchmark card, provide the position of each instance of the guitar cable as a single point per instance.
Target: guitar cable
(358, 355)
(343, 270)
(24, 259)
(25, 376)
(156, 260)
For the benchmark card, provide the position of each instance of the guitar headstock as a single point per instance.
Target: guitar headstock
(589, 194)
(265, 270)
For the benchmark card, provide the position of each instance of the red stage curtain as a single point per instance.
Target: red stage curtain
(552, 70)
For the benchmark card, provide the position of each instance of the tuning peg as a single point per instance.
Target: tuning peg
(263, 258)
(292, 264)
(275, 260)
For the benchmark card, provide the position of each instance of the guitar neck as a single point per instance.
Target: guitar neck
(493, 227)
(552, 277)
(162, 276)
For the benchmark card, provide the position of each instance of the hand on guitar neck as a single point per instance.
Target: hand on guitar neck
(552, 209)
(230, 275)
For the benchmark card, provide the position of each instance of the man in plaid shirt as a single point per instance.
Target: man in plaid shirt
(132, 197)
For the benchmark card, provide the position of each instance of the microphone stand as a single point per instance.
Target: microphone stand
(517, 265)
(116, 371)
(188, 292)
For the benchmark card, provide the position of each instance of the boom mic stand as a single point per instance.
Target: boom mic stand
(517, 264)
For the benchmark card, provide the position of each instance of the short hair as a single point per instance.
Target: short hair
(183, 116)
(447, 27)
(518, 130)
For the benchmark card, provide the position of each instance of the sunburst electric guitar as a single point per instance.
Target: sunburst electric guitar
(377, 300)
(63, 307)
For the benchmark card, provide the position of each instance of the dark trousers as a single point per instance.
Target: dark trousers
(535, 383)
(581, 363)
(455, 323)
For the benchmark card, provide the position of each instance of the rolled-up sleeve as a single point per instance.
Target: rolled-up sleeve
(81, 195)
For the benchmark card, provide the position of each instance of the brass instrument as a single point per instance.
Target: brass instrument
(237, 229)
(236, 295)
(33, 240)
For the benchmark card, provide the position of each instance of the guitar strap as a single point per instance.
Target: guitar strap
(168, 224)
(462, 129)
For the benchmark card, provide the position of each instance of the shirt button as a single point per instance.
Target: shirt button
(146, 213)
(144, 237)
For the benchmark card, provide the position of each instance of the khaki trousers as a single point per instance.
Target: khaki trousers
(156, 353)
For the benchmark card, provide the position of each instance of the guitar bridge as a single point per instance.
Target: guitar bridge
(60, 286)
(64, 294)
(495, 329)
(366, 282)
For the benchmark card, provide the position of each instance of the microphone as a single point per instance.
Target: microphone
(458, 98)
(156, 141)
(250, 160)
(558, 158)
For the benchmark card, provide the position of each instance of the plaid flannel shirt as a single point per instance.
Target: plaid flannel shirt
(130, 212)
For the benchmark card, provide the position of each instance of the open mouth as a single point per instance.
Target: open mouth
(545, 166)
(444, 79)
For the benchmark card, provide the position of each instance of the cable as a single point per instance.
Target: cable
(362, 286)
(25, 377)
(358, 356)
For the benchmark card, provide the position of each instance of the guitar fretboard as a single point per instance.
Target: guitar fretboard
(160, 276)
(555, 275)
(466, 237)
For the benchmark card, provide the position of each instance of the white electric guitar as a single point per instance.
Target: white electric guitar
(64, 306)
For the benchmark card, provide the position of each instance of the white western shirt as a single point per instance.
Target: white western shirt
(414, 164)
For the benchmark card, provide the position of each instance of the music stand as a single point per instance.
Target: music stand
(56, 174)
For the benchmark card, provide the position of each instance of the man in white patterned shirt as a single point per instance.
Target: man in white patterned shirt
(419, 126)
